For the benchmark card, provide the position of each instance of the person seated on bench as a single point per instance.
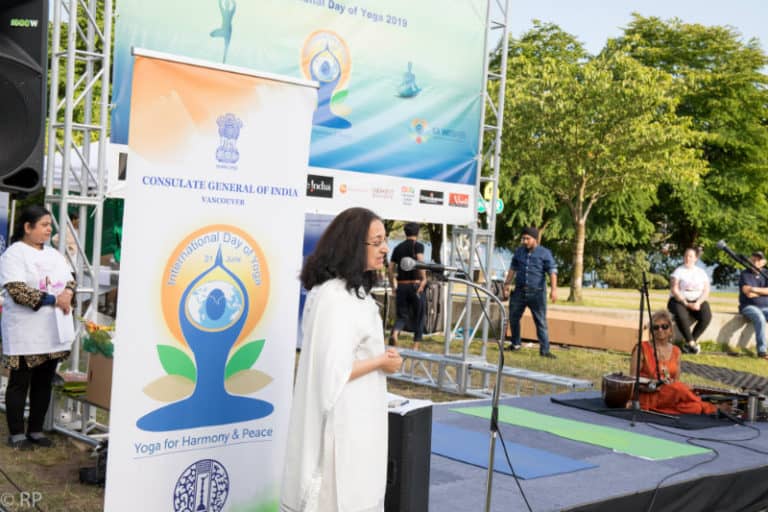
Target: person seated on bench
(671, 396)
(688, 296)
(753, 300)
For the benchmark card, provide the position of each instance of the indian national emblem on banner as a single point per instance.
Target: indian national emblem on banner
(203, 486)
(215, 289)
(229, 132)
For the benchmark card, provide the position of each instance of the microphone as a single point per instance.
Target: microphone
(407, 264)
(724, 247)
(727, 250)
(740, 258)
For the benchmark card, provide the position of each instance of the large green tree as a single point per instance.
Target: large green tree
(529, 201)
(579, 131)
(721, 86)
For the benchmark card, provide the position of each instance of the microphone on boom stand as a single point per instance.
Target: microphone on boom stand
(741, 259)
(407, 264)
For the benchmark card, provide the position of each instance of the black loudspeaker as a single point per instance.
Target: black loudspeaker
(410, 446)
(23, 70)
(433, 309)
(433, 306)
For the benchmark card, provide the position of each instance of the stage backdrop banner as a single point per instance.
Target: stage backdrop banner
(204, 355)
(397, 123)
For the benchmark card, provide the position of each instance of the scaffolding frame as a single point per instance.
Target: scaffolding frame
(472, 247)
(81, 54)
(80, 44)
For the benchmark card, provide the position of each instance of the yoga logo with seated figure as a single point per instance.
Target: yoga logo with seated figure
(214, 292)
(325, 58)
(408, 87)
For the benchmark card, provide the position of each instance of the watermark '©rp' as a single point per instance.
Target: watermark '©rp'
(23, 499)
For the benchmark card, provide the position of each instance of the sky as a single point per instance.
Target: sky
(594, 21)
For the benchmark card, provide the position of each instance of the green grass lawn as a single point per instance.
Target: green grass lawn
(620, 298)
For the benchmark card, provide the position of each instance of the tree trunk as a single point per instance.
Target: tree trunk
(578, 262)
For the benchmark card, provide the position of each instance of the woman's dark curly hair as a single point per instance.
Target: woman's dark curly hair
(30, 214)
(341, 252)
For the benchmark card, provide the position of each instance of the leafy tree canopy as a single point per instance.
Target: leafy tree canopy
(721, 87)
(581, 131)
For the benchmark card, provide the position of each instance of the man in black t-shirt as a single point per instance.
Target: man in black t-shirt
(409, 286)
(753, 300)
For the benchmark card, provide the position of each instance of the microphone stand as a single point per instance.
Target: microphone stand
(645, 300)
(743, 260)
(494, 425)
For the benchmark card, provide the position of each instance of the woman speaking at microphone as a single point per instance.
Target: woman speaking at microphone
(672, 396)
(337, 440)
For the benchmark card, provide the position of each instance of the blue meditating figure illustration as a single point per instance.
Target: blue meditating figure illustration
(325, 68)
(212, 311)
(227, 8)
(408, 87)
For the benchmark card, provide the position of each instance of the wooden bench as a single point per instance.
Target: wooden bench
(585, 330)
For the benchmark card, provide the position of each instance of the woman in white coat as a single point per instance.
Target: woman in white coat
(37, 282)
(337, 442)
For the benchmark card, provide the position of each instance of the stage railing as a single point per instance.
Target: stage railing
(458, 375)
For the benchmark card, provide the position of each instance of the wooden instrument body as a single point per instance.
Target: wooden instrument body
(617, 389)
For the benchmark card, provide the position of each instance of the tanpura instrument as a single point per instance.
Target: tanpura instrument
(617, 392)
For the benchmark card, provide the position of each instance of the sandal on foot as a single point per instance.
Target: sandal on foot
(691, 348)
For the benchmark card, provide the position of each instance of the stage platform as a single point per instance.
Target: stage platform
(732, 478)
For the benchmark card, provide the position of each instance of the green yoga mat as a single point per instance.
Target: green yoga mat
(637, 445)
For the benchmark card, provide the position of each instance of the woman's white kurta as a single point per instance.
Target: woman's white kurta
(337, 441)
(24, 330)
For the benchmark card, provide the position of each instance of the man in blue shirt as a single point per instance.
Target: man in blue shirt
(530, 265)
(753, 300)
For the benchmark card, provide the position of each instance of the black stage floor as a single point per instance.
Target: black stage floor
(734, 477)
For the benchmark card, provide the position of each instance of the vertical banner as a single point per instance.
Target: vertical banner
(314, 227)
(205, 337)
(400, 97)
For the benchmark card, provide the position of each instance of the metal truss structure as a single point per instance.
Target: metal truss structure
(80, 45)
(472, 247)
(80, 53)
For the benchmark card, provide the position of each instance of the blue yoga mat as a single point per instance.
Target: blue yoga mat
(472, 448)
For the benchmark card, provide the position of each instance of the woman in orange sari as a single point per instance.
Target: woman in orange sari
(672, 396)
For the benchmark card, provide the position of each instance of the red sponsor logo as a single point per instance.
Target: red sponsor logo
(460, 200)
